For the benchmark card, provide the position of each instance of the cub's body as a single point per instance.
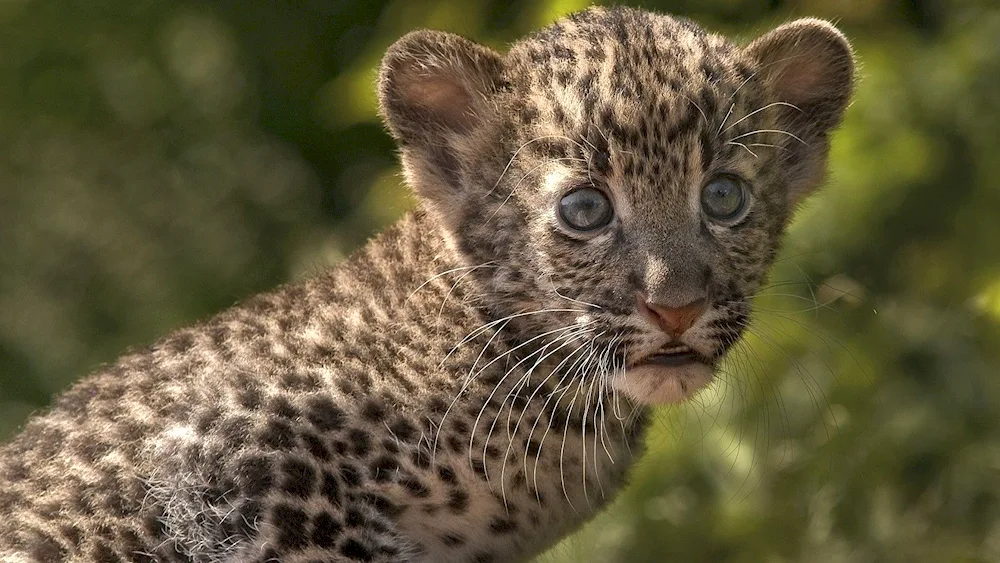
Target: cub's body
(599, 206)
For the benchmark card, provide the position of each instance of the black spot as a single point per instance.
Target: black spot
(383, 469)
(283, 408)
(103, 553)
(340, 447)
(559, 114)
(346, 387)
(330, 488)
(534, 447)
(461, 426)
(299, 478)
(390, 446)
(446, 474)
(326, 529)
(503, 525)
(72, 534)
(373, 411)
(458, 501)
(93, 450)
(414, 486)
(602, 162)
(528, 114)
(236, 524)
(437, 405)
(354, 518)
(181, 342)
(277, 435)
(452, 540)
(403, 430)
(269, 555)
(479, 466)
(519, 479)
(153, 524)
(350, 474)
(421, 458)
(377, 525)
(47, 548)
(291, 525)
(219, 334)
(253, 476)
(483, 557)
(360, 441)
(250, 512)
(709, 71)
(353, 549)
(208, 418)
(235, 429)
(324, 414)
(250, 398)
(383, 505)
(300, 382)
(315, 446)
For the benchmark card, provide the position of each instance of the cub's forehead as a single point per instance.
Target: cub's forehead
(652, 91)
(622, 64)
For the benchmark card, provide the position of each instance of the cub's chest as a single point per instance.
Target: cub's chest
(496, 476)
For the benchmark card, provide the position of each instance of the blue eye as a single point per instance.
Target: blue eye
(585, 209)
(724, 198)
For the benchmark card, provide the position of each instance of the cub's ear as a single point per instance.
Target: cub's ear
(809, 65)
(436, 93)
(432, 82)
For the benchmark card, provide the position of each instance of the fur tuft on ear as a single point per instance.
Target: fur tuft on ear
(433, 84)
(809, 65)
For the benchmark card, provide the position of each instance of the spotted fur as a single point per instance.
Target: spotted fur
(463, 388)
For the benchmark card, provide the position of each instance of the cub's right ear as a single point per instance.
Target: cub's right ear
(437, 94)
(434, 86)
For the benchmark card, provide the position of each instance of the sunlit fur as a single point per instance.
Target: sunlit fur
(467, 387)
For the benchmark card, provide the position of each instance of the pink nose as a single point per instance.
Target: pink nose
(674, 321)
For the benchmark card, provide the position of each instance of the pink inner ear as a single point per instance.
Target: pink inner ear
(808, 63)
(443, 98)
(802, 79)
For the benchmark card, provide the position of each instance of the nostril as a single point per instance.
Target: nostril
(645, 310)
(672, 320)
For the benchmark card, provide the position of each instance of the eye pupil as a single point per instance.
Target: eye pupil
(724, 198)
(585, 209)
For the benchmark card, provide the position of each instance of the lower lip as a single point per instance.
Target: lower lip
(665, 379)
(671, 360)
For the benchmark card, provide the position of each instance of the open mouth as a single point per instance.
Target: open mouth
(674, 355)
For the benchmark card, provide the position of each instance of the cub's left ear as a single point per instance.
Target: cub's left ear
(807, 64)
(436, 93)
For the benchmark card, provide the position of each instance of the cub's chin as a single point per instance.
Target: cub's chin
(665, 378)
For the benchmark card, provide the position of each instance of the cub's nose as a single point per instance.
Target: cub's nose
(674, 321)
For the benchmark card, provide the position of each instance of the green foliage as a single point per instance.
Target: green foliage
(162, 160)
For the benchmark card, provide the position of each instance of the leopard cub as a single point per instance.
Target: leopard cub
(598, 205)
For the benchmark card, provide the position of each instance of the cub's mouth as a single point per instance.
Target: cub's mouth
(671, 374)
(673, 355)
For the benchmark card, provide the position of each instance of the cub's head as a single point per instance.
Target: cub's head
(626, 175)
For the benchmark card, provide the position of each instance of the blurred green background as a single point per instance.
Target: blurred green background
(162, 159)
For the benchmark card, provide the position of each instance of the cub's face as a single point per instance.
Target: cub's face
(626, 176)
